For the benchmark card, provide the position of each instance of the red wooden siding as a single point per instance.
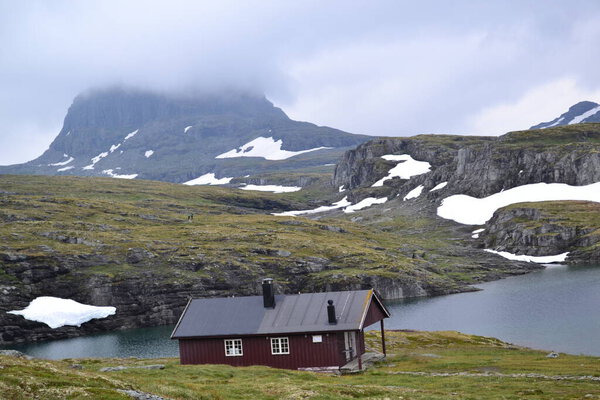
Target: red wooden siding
(257, 351)
(374, 314)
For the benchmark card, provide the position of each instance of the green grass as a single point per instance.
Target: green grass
(408, 352)
(47, 218)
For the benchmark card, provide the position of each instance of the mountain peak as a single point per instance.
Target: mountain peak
(129, 133)
(584, 111)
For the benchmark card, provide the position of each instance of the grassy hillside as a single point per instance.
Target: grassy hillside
(231, 233)
(420, 365)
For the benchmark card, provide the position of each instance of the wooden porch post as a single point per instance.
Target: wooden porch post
(383, 339)
(360, 362)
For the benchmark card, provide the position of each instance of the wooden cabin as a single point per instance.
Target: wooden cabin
(312, 330)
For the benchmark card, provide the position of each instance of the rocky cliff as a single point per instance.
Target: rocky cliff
(547, 228)
(479, 166)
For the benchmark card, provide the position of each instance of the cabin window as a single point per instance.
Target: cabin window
(317, 338)
(233, 347)
(280, 345)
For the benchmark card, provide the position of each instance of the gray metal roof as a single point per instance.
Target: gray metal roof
(292, 313)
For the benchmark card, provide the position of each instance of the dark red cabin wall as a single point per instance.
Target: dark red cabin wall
(257, 351)
(374, 314)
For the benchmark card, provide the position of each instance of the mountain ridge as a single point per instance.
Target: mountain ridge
(584, 111)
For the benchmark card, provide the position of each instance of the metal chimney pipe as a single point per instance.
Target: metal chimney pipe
(331, 312)
(268, 293)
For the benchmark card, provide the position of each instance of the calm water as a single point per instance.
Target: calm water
(554, 309)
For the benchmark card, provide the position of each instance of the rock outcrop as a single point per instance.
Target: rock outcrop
(547, 228)
(479, 166)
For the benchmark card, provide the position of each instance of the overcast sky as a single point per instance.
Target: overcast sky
(393, 68)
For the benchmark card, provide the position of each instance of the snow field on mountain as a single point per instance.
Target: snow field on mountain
(112, 148)
(267, 148)
(272, 188)
(148, 153)
(439, 186)
(58, 164)
(208, 179)
(407, 168)
(364, 203)
(112, 174)
(585, 115)
(473, 211)
(339, 204)
(56, 312)
(187, 128)
(413, 194)
(536, 259)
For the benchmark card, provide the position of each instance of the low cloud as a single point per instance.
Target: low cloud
(388, 68)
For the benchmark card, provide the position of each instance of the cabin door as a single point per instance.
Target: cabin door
(350, 345)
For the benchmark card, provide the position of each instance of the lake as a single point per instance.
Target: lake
(554, 309)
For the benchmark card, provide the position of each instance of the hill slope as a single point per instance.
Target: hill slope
(129, 244)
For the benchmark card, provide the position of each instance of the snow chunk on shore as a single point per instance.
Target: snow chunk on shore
(208, 179)
(339, 204)
(56, 312)
(407, 168)
(267, 148)
(472, 211)
(272, 188)
(536, 259)
(364, 203)
(413, 194)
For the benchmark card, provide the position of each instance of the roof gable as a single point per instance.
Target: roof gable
(293, 313)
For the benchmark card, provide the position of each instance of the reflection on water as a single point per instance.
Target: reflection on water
(143, 342)
(555, 309)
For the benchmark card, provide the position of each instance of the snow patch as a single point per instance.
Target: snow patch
(364, 203)
(148, 153)
(95, 160)
(558, 121)
(272, 188)
(187, 128)
(472, 211)
(413, 194)
(65, 168)
(536, 259)
(407, 168)
(58, 164)
(110, 173)
(439, 186)
(56, 312)
(267, 148)
(339, 204)
(132, 134)
(476, 232)
(341, 189)
(208, 179)
(585, 115)
(114, 147)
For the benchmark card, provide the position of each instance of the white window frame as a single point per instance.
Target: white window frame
(278, 344)
(232, 344)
